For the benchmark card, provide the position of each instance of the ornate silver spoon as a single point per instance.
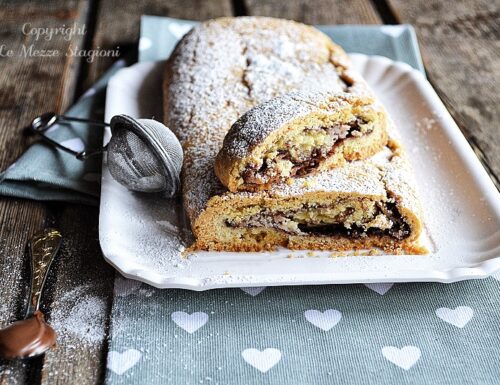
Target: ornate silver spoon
(33, 336)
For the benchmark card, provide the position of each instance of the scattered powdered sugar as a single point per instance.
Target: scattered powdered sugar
(171, 244)
(81, 315)
(426, 124)
(259, 122)
(223, 68)
(125, 287)
(423, 138)
(3, 308)
(154, 240)
(13, 372)
(168, 226)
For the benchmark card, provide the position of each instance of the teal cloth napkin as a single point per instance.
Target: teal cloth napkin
(47, 174)
(312, 335)
(44, 173)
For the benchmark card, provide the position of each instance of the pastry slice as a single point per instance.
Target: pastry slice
(223, 68)
(299, 134)
(361, 205)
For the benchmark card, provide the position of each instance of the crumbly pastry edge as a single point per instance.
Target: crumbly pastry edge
(337, 57)
(398, 184)
(198, 212)
(299, 107)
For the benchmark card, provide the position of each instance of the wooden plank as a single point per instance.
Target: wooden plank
(118, 23)
(77, 356)
(18, 221)
(316, 12)
(81, 292)
(30, 85)
(83, 295)
(460, 45)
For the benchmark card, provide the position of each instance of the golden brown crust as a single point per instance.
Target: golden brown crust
(226, 66)
(382, 178)
(298, 121)
(220, 70)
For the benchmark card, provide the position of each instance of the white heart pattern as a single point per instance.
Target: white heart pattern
(405, 357)
(262, 360)
(179, 30)
(380, 288)
(189, 322)
(459, 317)
(324, 320)
(119, 363)
(253, 291)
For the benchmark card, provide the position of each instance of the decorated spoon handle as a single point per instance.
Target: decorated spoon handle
(43, 247)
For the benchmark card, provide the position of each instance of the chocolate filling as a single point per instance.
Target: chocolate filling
(398, 229)
(268, 172)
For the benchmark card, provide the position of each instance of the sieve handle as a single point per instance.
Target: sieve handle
(43, 122)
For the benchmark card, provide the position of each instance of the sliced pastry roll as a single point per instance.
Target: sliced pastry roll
(225, 67)
(298, 134)
(362, 205)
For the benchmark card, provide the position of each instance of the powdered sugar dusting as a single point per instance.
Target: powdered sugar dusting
(256, 124)
(224, 67)
(387, 171)
(81, 315)
(359, 177)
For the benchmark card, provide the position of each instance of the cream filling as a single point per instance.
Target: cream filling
(296, 154)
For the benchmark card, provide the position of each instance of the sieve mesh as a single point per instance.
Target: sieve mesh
(144, 155)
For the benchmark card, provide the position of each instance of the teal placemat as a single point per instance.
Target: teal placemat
(44, 173)
(159, 35)
(312, 335)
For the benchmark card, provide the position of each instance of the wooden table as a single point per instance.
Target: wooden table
(460, 43)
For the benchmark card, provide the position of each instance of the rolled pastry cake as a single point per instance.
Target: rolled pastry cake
(298, 134)
(220, 70)
(361, 205)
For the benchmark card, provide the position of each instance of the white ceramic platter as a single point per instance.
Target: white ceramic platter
(140, 235)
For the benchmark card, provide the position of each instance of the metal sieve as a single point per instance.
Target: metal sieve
(143, 154)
